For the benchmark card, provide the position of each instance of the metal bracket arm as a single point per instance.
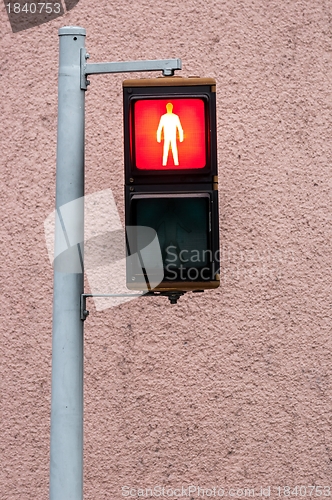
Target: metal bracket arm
(167, 66)
(85, 312)
(172, 296)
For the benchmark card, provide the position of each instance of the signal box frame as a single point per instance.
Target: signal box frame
(141, 183)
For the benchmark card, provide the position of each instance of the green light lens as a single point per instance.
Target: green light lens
(182, 226)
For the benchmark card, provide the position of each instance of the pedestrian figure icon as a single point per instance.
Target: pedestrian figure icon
(170, 124)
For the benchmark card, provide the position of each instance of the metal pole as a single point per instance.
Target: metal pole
(66, 468)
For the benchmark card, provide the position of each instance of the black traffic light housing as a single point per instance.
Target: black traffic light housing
(171, 185)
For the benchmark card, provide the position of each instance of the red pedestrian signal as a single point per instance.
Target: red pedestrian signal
(169, 139)
(171, 179)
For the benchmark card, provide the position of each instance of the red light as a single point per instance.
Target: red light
(185, 115)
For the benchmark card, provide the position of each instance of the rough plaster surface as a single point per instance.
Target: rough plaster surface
(231, 389)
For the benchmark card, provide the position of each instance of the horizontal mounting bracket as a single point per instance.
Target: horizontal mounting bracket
(167, 66)
(85, 312)
(172, 296)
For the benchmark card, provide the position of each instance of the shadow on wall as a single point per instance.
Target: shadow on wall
(25, 14)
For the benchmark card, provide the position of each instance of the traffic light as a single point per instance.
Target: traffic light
(171, 184)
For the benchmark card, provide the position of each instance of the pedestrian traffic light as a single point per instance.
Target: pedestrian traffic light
(171, 184)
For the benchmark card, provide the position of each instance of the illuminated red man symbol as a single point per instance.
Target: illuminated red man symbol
(170, 123)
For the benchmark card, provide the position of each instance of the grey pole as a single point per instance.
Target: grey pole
(66, 468)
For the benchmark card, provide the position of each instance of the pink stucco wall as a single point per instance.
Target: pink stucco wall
(229, 389)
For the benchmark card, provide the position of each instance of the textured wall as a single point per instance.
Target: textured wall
(229, 389)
